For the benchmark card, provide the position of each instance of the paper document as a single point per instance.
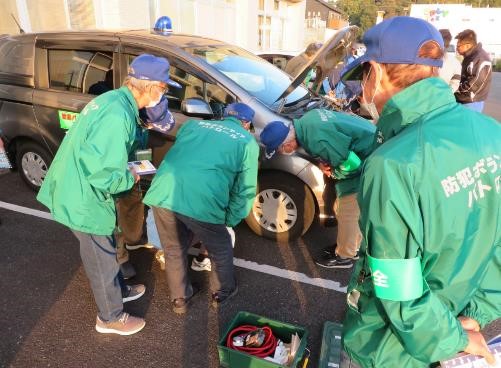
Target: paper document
(143, 167)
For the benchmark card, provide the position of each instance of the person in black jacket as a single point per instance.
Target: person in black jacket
(476, 71)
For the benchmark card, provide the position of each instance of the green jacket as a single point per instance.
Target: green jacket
(90, 166)
(210, 174)
(331, 135)
(431, 191)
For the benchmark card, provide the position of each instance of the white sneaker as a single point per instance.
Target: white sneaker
(204, 265)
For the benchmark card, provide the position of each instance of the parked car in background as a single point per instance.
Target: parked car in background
(47, 78)
(278, 58)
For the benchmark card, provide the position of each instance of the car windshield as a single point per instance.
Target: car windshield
(257, 76)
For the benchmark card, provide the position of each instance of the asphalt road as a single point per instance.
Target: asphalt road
(47, 313)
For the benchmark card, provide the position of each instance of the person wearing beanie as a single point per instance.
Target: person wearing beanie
(428, 277)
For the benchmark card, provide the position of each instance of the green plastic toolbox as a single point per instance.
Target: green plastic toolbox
(330, 355)
(230, 358)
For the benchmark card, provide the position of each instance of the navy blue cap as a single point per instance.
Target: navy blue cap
(158, 117)
(240, 111)
(395, 40)
(151, 68)
(273, 135)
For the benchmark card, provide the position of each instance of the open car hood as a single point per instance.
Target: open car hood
(331, 53)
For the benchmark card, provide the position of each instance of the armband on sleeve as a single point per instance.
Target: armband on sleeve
(397, 279)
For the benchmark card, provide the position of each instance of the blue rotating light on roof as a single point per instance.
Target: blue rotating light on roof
(163, 25)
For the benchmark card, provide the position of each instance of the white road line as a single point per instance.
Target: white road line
(26, 210)
(263, 268)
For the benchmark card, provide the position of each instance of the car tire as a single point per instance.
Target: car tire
(283, 209)
(33, 162)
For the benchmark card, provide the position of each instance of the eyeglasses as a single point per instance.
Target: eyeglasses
(163, 88)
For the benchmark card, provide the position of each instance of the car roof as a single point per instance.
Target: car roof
(173, 40)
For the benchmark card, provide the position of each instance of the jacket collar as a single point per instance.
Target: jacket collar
(410, 104)
(130, 98)
(473, 51)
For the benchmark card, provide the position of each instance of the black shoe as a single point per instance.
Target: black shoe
(219, 299)
(335, 262)
(331, 251)
(127, 270)
(180, 305)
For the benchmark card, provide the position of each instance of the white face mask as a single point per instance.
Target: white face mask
(370, 107)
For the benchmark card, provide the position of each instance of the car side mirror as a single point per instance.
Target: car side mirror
(196, 107)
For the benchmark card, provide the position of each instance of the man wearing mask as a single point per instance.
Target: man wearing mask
(205, 185)
(429, 272)
(89, 170)
(476, 71)
(340, 141)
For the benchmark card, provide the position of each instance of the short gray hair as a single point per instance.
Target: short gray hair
(140, 85)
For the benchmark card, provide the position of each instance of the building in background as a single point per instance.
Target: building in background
(458, 17)
(256, 25)
(322, 20)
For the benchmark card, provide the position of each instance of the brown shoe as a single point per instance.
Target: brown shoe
(180, 305)
(125, 325)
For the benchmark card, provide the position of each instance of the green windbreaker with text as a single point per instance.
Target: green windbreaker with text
(210, 174)
(331, 135)
(431, 190)
(90, 166)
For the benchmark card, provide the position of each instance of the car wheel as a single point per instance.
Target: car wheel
(283, 208)
(33, 163)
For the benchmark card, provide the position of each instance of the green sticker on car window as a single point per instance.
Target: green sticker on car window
(67, 118)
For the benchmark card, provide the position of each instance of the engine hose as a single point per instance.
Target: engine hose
(266, 349)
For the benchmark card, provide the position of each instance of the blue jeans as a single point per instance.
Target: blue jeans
(151, 230)
(475, 106)
(99, 258)
(176, 233)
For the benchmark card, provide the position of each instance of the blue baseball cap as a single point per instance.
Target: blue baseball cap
(273, 135)
(158, 117)
(395, 40)
(152, 68)
(240, 111)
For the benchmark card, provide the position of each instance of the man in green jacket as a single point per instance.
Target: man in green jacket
(205, 185)
(89, 170)
(429, 274)
(340, 141)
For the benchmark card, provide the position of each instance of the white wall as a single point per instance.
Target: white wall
(458, 17)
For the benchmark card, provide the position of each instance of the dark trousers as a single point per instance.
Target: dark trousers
(176, 233)
(131, 221)
(99, 258)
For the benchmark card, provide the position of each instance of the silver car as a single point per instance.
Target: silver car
(47, 78)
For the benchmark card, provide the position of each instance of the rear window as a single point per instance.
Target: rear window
(77, 70)
(16, 56)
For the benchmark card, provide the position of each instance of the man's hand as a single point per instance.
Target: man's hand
(478, 346)
(469, 324)
(325, 168)
(134, 174)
